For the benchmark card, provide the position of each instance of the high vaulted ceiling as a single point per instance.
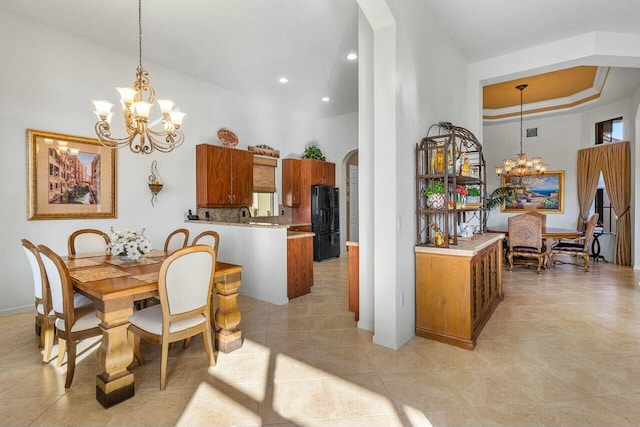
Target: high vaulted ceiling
(246, 45)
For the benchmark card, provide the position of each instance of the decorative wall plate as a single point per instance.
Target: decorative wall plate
(227, 137)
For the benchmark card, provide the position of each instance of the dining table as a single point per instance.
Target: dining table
(553, 233)
(115, 285)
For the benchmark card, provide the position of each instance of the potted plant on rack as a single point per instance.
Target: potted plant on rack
(473, 195)
(435, 195)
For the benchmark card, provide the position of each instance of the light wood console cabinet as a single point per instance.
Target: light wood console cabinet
(458, 290)
(224, 176)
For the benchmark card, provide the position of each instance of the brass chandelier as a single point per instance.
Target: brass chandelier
(136, 104)
(523, 165)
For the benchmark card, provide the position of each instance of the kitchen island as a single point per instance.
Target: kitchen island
(262, 251)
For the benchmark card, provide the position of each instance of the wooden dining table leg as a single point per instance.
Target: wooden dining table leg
(227, 317)
(115, 383)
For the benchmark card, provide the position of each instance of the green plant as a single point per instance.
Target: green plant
(436, 187)
(473, 191)
(499, 196)
(313, 152)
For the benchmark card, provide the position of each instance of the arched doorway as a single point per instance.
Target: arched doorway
(351, 186)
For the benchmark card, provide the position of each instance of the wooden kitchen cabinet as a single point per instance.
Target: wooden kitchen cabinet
(224, 176)
(291, 182)
(299, 264)
(298, 175)
(456, 293)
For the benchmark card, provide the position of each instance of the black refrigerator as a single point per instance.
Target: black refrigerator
(325, 221)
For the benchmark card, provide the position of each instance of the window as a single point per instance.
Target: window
(263, 205)
(607, 131)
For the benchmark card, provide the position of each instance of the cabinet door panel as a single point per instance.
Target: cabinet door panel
(291, 182)
(213, 176)
(330, 173)
(241, 178)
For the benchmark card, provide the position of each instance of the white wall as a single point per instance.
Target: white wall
(558, 142)
(429, 87)
(337, 136)
(47, 81)
(596, 48)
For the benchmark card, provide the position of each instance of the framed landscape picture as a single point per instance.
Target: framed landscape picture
(543, 193)
(69, 177)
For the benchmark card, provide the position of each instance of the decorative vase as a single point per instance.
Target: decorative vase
(437, 161)
(438, 238)
(435, 201)
(125, 258)
(461, 201)
(473, 200)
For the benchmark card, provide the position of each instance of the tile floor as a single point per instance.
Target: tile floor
(562, 349)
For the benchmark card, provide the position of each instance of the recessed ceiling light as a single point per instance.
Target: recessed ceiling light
(352, 56)
(326, 99)
(283, 80)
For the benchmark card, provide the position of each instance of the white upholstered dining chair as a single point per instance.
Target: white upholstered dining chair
(209, 238)
(72, 323)
(87, 241)
(185, 284)
(177, 239)
(44, 315)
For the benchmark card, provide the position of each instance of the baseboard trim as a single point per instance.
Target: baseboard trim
(19, 309)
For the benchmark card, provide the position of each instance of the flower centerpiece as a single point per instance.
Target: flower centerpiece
(130, 244)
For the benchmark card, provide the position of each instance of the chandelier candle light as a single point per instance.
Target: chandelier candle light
(523, 165)
(137, 102)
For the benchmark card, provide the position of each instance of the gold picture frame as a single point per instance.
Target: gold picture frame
(69, 177)
(544, 193)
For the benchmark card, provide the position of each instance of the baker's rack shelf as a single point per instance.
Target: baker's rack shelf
(452, 156)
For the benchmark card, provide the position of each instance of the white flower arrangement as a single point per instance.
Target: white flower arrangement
(130, 243)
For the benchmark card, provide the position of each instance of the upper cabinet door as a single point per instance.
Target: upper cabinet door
(291, 182)
(224, 176)
(241, 177)
(213, 175)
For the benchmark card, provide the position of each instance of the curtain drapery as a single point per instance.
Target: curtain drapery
(614, 161)
(617, 179)
(589, 163)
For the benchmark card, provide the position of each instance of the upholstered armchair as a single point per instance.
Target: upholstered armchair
(578, 248)
(525, 240)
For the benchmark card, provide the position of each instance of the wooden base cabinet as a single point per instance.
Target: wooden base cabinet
(455, 293)
(299, 265)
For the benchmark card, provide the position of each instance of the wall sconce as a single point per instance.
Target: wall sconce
(155, 182)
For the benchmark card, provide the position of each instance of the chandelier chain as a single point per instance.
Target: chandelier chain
(137, 102)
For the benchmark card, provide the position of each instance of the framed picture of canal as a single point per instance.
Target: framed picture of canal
(543, 193)
(70, 177)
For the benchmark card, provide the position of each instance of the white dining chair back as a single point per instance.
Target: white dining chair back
(177, 239)
(209, 238)
(87, 241)
(185, 283)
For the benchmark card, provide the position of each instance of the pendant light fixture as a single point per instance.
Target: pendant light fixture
(136, 103)
(523, 165)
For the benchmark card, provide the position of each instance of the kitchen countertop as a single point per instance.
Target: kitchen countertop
(299, 234)
(257, 224)
(467, 248)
